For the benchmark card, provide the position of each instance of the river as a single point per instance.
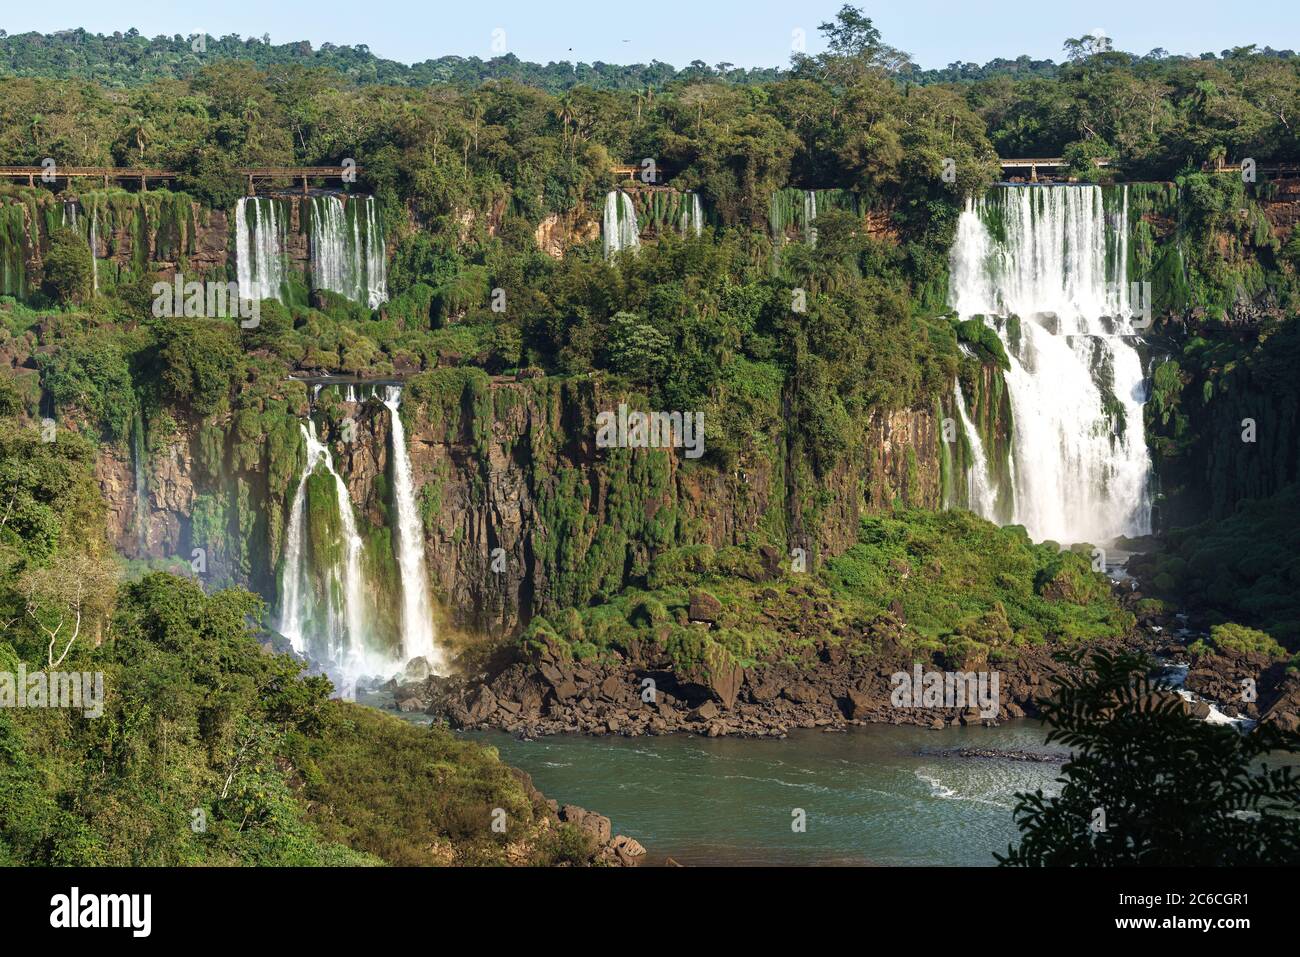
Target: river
(877, 795)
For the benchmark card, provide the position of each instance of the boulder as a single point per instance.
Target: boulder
(628, 850)
(705, 712)
(597, 825)
(417, 669)
(704, 607)
(482, 704)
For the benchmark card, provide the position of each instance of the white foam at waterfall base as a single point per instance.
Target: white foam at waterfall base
(1077, 476)
(417, 608)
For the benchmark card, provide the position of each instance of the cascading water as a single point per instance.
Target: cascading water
(328, 624)
(94, 244)
(1054, 258)
(417, 608)
(345, 257)
(981, 497)
(259, 245)
(693, 220)
(810, 216)
(621, 231)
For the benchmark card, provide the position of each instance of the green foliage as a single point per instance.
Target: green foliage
(949, 570)
(66, 271)
(90, 376)
(1173, 790)
(1234, 637)
(1240, 571)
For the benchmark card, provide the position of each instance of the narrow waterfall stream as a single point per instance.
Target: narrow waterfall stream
(981, 498)
(417, 611)
(1051, 263)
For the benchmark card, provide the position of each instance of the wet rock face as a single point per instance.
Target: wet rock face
(492, 537)
(516, 483)
(1247, 684)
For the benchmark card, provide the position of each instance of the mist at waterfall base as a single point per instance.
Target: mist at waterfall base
(1056, 258)
(347, 252)
(326, 603)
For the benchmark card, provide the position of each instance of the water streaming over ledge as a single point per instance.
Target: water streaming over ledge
(330, 603)
(620, 230)
(1052, 262)
(346, 246)
(417, 609)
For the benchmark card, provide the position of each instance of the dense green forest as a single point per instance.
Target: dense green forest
(474, 167)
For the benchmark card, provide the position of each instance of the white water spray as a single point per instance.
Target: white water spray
(1080, 461)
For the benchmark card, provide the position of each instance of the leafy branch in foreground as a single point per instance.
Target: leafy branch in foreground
(1148, 784)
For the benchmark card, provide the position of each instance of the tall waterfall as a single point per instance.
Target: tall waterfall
(354, 608)
(417, 609)
(327, 623)
(1053, 259)
(94, 244)
(621, 231)
(259, 248)
(347, 249)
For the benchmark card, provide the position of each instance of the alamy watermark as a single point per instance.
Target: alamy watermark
(179, 299)
(651, 430)
(74, 690)
(947, 689)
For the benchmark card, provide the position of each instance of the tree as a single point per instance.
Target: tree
(68, 269)
(75, 591)
(1149, 784)
(637, 349)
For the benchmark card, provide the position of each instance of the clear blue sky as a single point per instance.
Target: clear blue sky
(743, 32)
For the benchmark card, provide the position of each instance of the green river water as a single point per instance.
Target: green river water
(878, 795)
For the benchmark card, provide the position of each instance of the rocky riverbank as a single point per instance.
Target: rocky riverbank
(640, 691)
(603, 846)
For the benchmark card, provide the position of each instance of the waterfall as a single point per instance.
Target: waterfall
(981, 497)
(344, 643)
(692, 221)
(810, 216)
(141, 483)
(417, 609)
(70, 214)
(376, 257)
(94, 244)
(621, 231)
(1055, 259)
(345, 258)
(259, 245)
